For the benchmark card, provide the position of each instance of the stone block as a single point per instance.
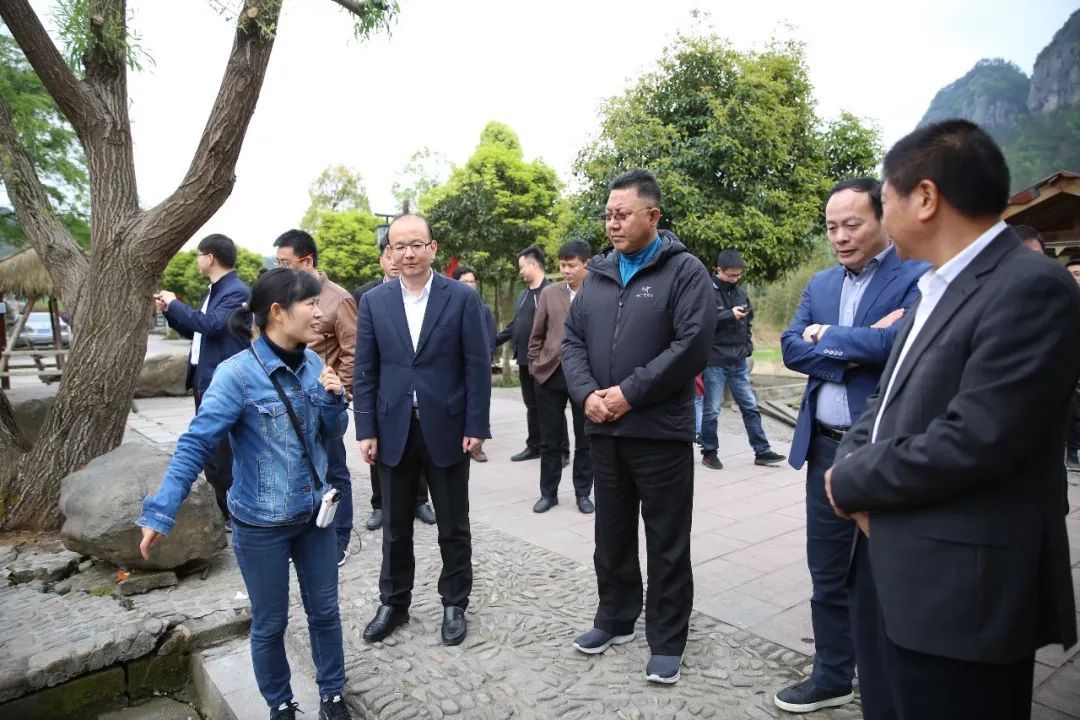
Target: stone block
(45, 567)
(80, 698)
(157, 674)
(141, 581)
(163, 375)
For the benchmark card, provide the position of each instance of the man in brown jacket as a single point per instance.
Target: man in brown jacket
(296, 249)
(545, 366)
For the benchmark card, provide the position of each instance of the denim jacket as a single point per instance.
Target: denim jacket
(272, 483)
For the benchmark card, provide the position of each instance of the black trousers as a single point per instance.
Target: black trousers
(655, 477)
(450, 495)
(218, 469)
(901, 684)
(532, 413)
(376, 489)
(1074, 426)
(551, 399)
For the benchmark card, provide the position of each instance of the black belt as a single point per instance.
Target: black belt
(833, 433)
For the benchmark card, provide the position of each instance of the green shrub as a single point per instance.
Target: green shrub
(775, 303)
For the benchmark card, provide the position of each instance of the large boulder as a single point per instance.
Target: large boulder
(102, 501)
(163, 375)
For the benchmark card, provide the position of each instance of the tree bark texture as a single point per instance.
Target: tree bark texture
(109, 293)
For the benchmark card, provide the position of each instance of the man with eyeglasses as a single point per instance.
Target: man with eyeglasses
(636, 336)
(422, 396)
(297, 250)
(531, 266)
(211, 341)
(732, 345)
(424, 512)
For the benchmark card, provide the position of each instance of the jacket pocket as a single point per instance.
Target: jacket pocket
(273, 419)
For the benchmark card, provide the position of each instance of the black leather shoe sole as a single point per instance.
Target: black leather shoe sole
(384, 624)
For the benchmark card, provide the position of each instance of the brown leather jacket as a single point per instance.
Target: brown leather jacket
(337, 348)
(549, 323)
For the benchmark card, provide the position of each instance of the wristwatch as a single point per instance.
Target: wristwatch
(814, 330)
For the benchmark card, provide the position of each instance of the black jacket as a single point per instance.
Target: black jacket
(520, 326)
(650, 338)
(218, 343)
(733, 340)
(369, 285)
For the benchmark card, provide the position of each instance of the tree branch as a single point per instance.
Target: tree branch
(359, 7)
(58, 251)
(210, 178)
(70, 93)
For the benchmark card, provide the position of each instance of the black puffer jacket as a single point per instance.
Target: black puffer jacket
(733, 340)
(650, 338)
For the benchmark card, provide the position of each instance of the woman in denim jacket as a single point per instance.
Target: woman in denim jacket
(274, 499)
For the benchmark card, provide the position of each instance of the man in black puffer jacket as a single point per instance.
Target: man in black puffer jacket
(635, 338)
(732, 345)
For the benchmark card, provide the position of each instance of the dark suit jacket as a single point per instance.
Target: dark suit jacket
(450, 371)
(893, 286)
(226, 295)
(965, 485)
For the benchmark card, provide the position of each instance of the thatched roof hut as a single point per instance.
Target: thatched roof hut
(25, 275)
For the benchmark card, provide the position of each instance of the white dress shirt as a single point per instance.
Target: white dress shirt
(933, 285)
(415, 307)
(196, 338)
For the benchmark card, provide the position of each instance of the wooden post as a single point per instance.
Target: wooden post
(17, 331)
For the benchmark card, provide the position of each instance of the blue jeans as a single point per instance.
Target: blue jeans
(737, 377)
(828, 552)
(263, 555)
(337, 474)
(699, 408)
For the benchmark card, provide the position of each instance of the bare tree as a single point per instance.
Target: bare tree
(108, 290)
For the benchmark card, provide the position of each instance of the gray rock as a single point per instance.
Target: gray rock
(102, 501)
(44, 567)
(8, 553)
(163, 375)
(140, 582)
(62, 588)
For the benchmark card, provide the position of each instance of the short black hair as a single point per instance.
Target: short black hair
(576, 248)
(960, 158)
(871, 187)
(1026, 232)
(643, 182)
(302, 244)
(221, 247)
(534, 252)
(729, 259)
(430, 234)
(461, 270)
(1074, 260)
(382, 236)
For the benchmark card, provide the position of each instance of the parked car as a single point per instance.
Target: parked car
(38, 330)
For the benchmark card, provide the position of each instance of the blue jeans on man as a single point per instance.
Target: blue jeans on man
(337, 474)
(736, 377)
(263, 555)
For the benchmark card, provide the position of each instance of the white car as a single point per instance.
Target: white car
(38, 330)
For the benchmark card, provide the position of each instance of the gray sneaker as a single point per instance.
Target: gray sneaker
(597, 641)
(663, 669)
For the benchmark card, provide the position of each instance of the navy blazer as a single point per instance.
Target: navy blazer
(218, 344)
(450, 371)
(893, 286)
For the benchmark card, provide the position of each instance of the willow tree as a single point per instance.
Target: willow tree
(107, 290)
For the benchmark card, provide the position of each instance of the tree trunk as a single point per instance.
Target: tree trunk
(91, 407)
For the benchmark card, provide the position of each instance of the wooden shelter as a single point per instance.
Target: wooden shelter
(1051, 206)
(24, 275)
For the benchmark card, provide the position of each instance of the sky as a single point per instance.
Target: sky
(544, 68)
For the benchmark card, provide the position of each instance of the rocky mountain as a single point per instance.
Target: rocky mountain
(1036, 120)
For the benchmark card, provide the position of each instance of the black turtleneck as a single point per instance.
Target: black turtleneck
(293, 358)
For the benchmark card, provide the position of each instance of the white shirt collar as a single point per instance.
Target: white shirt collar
(408, 296)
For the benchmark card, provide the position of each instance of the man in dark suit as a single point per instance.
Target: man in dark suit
(517, 331)
(423, 510)
(422, 395)
(954, 473)
(840, 337)
(467, 276)
(211, 341)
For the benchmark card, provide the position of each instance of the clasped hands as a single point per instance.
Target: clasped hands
(862, 519)
(162, 298)
(607, 405)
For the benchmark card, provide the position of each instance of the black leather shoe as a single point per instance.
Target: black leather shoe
(710, 460)
(544, 504)
(375, 521)
(385, 621)
(585, 505)
(425, 513)
(526, 454)
(769, 458)
(454, 625)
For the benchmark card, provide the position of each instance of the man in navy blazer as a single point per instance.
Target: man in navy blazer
(840, 337)
(422, 394)
(211, 341)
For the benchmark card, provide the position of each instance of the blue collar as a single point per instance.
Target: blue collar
(630, 263)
